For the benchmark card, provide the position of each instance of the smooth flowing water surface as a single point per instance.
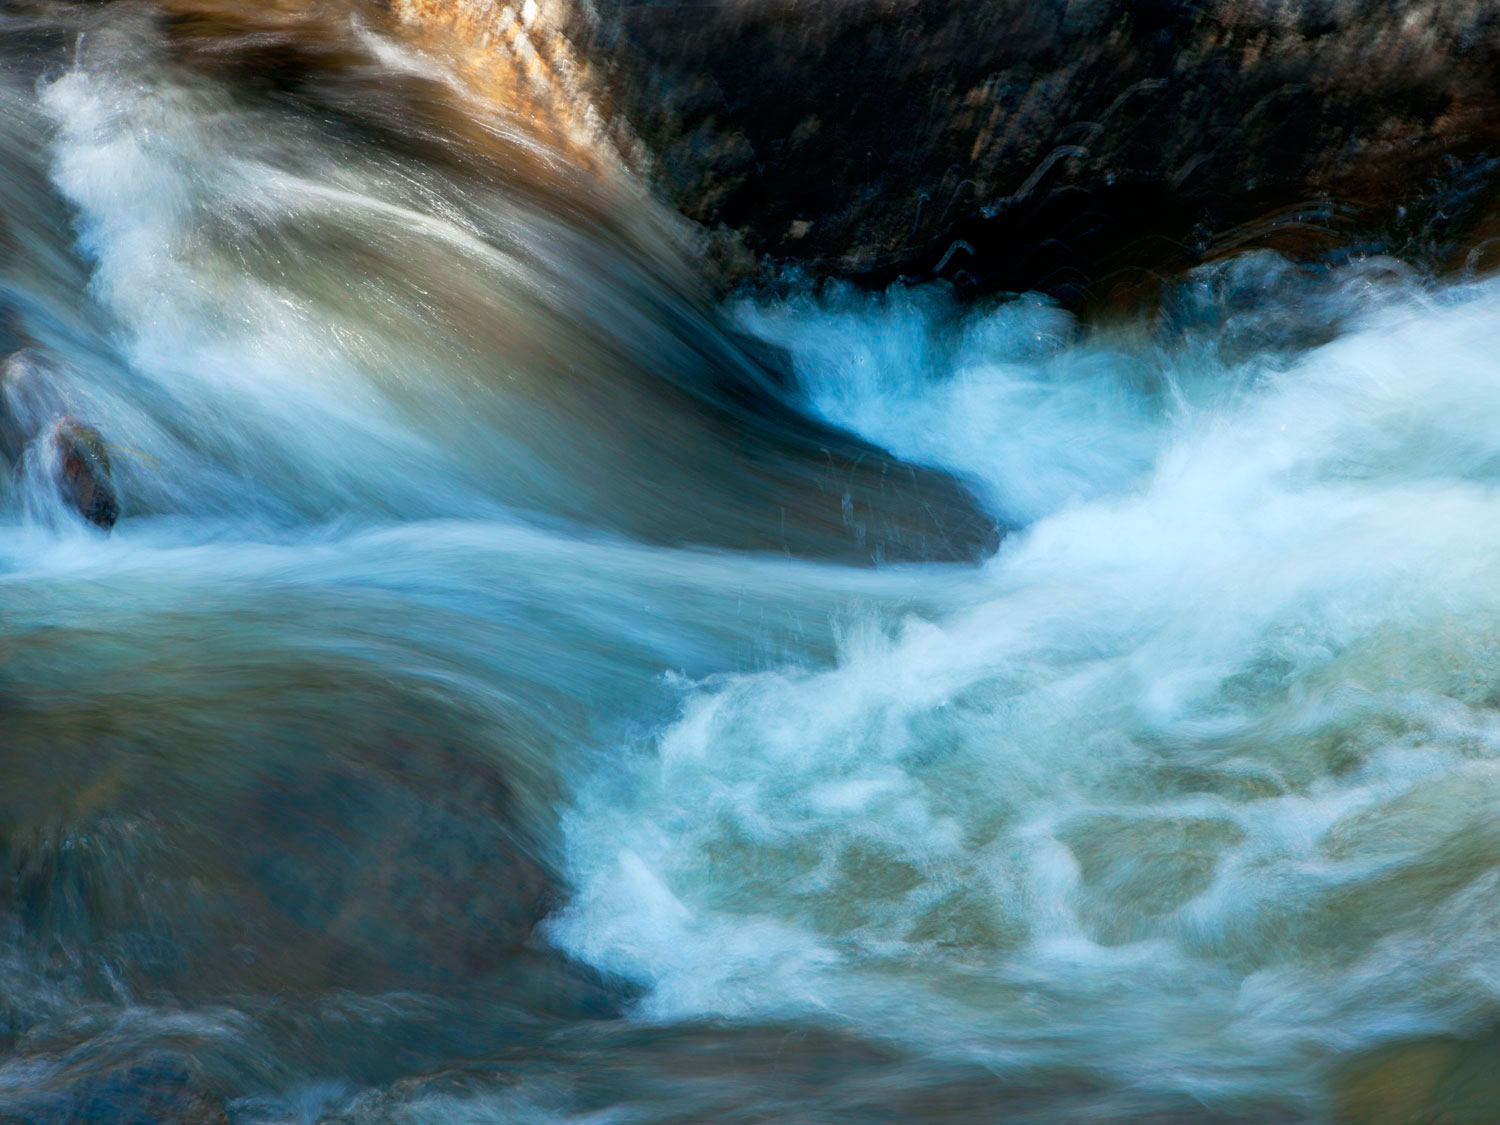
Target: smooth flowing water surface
(520, 688)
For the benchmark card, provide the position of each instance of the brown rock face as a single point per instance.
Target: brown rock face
(1077, 146)
(612, 328)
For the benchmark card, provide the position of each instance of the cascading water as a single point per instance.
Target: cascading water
(484, 708)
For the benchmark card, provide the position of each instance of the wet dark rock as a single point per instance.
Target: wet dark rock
(292, 822)
(35, 423)
(83, 472)
(295, 860)
(1078, 147)
(409, 862)
(373, 869)
(1083, 148)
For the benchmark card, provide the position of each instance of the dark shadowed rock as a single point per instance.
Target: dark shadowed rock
(83, 473)
(392, 866)
(58, 450)
(1081, 147)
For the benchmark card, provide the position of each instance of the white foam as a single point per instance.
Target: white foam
(1199, 777)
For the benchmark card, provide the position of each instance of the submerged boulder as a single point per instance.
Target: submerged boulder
(155, 1086)
(598, 384)
(1436, 1078)
(54, 450)
(357, 865)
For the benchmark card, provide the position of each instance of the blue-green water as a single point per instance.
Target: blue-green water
(513, 692)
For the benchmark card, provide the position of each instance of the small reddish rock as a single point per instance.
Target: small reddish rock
(83, 472)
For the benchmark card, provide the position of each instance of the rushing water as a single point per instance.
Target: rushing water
(486, 709)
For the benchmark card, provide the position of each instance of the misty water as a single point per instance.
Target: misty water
(521, 686)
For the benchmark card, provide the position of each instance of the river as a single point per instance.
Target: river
(520, 686)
